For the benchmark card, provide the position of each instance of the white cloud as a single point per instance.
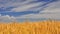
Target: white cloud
(6, 18)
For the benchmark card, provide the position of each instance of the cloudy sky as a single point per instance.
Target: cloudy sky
(34, 10)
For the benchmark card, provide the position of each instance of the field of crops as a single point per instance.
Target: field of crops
(40, 27)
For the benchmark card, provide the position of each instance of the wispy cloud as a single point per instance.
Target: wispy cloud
(52, 12)
(21, 5)
(31, 6)
(26, 8)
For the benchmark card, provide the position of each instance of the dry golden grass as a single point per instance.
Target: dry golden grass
(40, 27)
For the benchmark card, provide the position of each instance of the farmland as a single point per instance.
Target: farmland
(39, 27)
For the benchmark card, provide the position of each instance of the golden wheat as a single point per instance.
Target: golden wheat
(40, 27)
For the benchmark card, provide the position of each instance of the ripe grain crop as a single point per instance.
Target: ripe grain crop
(39, 27)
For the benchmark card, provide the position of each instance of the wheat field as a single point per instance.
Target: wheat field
(39, 27)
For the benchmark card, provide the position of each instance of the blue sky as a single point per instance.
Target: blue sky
(11, 10)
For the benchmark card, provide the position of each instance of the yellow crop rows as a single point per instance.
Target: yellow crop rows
(40, 27)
